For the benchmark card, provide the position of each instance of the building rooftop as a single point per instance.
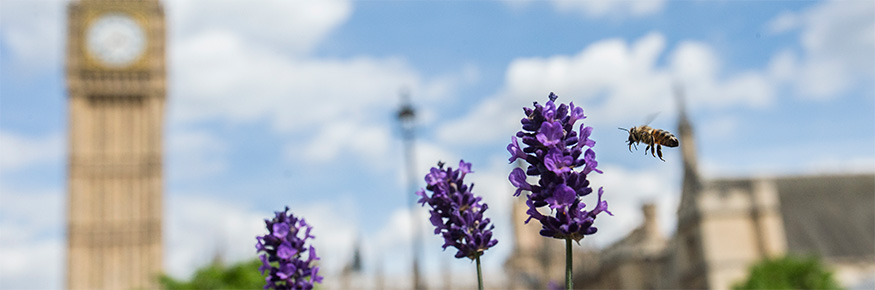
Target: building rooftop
(832, 216)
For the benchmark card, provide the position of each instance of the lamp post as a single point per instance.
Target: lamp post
(406, 117)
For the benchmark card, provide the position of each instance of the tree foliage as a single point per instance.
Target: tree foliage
(789, 273)
(243, 275)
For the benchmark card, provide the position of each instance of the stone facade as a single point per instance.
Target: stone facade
(631, 263)
(738, 222)
(116, 111)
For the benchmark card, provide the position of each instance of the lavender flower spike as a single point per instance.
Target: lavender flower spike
(562, 158)
(456, 213)
(284, 255)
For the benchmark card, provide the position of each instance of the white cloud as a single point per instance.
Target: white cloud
(720, 128)
(491, 119)
(427, 156)
(37, 264)
(698, 68)
(695, 61)
(195, 154)
(327, 106)
(37, 212)
(615, 9)
(199, 227)
(837, 40)
(395, 237)
(608, 8)
(614, 82)
(367, 141)
(20, 152)
(390, 246)
(219, 71)
(626, 191)
(336, 228)
(291, 27)
(225, 77)
(33, 32)
(226, 69)
(336, 105)
(622, 82)
(601, 68)
(783, 22)
(782, 66)
(31, 240)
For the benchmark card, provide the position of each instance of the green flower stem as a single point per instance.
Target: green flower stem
(479, 274)
(568, 282)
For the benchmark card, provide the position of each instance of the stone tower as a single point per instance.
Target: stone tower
(724, 226)
(688, 262)
(116, 85)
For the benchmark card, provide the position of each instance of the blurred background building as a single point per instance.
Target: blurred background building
(724, 226)
(116, 85)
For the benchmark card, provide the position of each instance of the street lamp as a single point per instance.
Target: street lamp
(406, 117)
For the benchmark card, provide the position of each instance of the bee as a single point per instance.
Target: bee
(654, 138)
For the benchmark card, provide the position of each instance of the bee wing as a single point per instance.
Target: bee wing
(650, 118)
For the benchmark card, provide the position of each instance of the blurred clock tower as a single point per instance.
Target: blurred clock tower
(116, 88)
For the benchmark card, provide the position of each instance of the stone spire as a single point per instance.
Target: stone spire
(692, 181)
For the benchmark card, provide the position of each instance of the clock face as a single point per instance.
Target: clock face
(115, 39)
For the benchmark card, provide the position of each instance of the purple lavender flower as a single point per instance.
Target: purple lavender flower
(455, 212)
(284, 253)
(553, 150)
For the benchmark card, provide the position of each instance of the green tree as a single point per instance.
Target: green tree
(789, 273)
(243, 275)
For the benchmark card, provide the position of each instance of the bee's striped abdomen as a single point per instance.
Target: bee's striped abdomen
(664, 138)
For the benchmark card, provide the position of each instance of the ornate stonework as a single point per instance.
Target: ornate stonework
(116, 86)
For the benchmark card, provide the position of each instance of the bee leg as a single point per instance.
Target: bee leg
(659, 151)
(647, 148)
(653, 150)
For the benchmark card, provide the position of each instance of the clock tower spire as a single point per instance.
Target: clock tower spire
(115, 67)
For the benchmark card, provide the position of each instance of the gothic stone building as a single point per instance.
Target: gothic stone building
(723, 227)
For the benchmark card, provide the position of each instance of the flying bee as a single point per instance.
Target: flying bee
(654, 138)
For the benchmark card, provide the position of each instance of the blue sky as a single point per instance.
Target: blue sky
(274, 103)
